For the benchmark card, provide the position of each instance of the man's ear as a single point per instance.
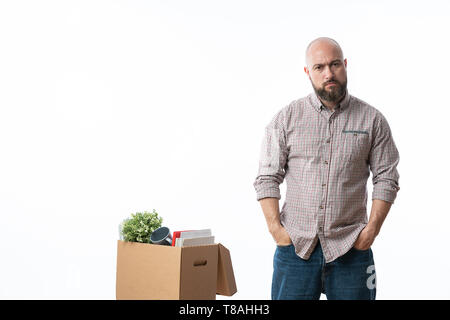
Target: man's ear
(306, 71)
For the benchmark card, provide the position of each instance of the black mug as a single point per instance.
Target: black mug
(161, 236)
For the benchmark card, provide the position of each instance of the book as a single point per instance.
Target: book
(186, 242)
(195, 233)
(176, 235)
(196, 237)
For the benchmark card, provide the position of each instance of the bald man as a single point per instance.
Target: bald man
(325, 145)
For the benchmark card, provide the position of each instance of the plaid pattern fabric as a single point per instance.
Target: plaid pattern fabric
(325, 158)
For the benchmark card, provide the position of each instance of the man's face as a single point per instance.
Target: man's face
(327, 71)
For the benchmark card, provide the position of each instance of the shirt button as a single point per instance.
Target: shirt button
(328, 140)
(326, 162)
(324, 184)
(321, 207)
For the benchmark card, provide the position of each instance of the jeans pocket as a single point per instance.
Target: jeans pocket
(281, 247)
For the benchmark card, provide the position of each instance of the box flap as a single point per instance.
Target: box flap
(226, 284)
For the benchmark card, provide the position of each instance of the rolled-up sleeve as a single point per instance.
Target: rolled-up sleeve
(384, 158)
(272, 159)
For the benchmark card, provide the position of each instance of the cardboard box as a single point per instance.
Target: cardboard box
(148, 271)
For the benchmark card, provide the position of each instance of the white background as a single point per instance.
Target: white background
(114, 107)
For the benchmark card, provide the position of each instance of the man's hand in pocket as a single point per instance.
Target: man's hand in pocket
(281, 236)
(365, 239)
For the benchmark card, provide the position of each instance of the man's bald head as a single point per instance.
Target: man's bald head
(327, 70)
(319, 44)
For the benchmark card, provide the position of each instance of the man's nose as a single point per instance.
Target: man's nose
(328, 73)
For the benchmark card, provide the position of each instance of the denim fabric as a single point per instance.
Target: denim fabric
(349, 277)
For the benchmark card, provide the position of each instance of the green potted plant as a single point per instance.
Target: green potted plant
(140, 226)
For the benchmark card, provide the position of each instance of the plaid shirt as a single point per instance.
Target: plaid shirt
(325, 158)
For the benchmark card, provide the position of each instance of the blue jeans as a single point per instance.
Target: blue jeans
(349, 277)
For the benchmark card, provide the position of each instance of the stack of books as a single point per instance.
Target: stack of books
(189, 238)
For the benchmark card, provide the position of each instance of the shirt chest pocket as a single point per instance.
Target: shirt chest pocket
(355, 145)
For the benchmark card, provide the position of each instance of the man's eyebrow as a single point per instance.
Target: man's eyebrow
(320, 64)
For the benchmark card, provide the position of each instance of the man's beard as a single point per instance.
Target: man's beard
(333, 95)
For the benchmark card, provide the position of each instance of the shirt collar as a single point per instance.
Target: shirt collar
(318, 104)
